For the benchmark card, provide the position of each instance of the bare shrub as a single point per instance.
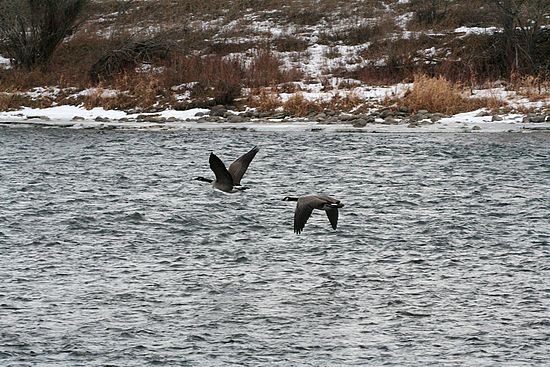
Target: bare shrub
(265, 70)
(218, 80)
(129, 56)
(362, 33)
(32, 30)
(289, 44)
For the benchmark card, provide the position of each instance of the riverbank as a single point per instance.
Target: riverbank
(220, 118)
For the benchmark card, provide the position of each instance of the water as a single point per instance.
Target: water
(111, 255)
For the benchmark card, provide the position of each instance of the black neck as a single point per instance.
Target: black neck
(204, 179)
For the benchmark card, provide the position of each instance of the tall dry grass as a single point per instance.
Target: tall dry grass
(437, 94)
(297, 105)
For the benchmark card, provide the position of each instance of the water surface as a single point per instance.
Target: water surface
(112, 255)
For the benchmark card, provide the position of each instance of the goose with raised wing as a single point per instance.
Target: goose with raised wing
(306, 204)
(229, 179)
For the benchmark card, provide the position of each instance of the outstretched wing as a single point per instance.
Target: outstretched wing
(301, 215)
(223, 177)
(239, 167)
(332, 214)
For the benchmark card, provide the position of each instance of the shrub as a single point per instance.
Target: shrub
(129, 56)
(32, 30)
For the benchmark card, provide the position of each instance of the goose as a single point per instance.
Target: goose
(229, 179)
(306, 204)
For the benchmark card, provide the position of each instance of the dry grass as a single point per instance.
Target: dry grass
(348, 102)
(437, 94)
(264, 100)
(535, 88)
(297, 105)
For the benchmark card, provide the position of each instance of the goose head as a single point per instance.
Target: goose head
(290, 198)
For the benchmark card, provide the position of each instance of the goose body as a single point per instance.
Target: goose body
(229, 179)
(306, 204)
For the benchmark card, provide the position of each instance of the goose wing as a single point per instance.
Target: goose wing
(301, 214)
(223, 177)
(239, 167)
(332, 214)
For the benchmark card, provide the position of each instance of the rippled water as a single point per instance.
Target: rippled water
(111, 255)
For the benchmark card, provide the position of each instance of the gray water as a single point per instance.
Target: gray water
(111, 254)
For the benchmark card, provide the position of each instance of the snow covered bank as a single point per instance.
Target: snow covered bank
(98, 118)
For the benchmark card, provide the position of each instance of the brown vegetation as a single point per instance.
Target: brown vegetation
(211, 52)
(437, 94)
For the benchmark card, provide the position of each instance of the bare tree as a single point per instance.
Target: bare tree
(31, 30)
(522, 22)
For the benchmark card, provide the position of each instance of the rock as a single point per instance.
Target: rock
(171, 119)
(359, 123)
(320, 116)
(157, 119)
(77, 118)
(436, 117)
(412, 124)
(234, 119)
(417, 117)
(404, 109)
(389, 120)
(537, 118)
(133, 111)
(475, 127)
(101, 119)
(333, 120)
(483, 114)
(278, 116)
(45, 118)
(346, 118)
(213, 119)
(154, 109)
(423, 112)
(218, 110)
(496, 118)
(144, 117)
(199, 114)
(123, 119)
(385, 113)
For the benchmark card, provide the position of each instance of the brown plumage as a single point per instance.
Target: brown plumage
(229, 180)
(306, 204)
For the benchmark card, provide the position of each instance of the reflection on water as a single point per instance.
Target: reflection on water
(112, 254)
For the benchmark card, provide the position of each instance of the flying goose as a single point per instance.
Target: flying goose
(229, 180)
(306, 204)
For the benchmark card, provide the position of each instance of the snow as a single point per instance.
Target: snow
(68, 113)
(476, 30)
(4, 63)
(64, 116)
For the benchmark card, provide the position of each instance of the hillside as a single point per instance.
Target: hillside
(311, 59)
